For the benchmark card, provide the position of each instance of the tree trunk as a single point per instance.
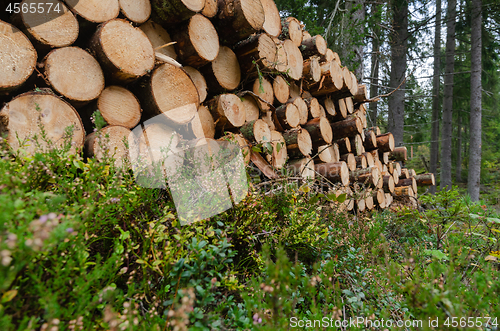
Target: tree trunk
(399, 41)
(458, 173)
(349, 127)
(320, 131)
(474, 179)
(445, 178)
(358, 18)
(425, 179)
(375, 61)
(436, 110)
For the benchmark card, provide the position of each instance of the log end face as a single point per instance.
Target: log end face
(204, 37)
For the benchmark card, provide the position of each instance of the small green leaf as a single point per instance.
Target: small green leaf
(140, 261)
(9, 295)
(256, 149)
(341, 198)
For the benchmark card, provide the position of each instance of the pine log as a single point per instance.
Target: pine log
(403, 191)
(375, 129)
(398, 154)
(242, 142)
(279, 155)
(305, 35)
(361, 161)
(340, 111)
(379, 165)
(171, 92)
(302, 107)
(176, 11)
(398, 168)
(405, 174)
(298, 142)
(95, 11)
(303, 167)
(198, 80)
(228, 111)
(328, 57)
(412, 172)
(320, 131)
(124, 52)
(379, 198)
(119, 106)
(257, 131)
(388, 183)
(159, 37)
(385, 158)
(108, 142)
(313, 107)
(330, 82)
(291, 29)
(223, 73)
(257, 50)
(197, 41)
(311, 70)
(354, 84)
(350, 159)
(370, 142)
(251, 105)
(269, 119)
(408, 182)
(203, 125)
(388, 199)
(425, 179)
(395, 175)
(357, 145)
(272, 22)
(263, 165)
(374, 154)
(329, 105)
(328, 153)
(263, 88)
(362, 94)
(335, 172)
(344, 145)
(349, 105)
(27, 114)
(295, 90)
(315, 46)
(73, 73)
(349, 127)
(137, 11)
(369, 160)
(238, 19)
(370, 204)
(48, 30)
(369, 176)
(361, 205)
(362, 116)
(385, 142)
(288, 116)
(15, 70)
(281, 89)
(295, 61)
(210, 9)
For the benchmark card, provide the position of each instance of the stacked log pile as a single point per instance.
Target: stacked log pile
(213, 70)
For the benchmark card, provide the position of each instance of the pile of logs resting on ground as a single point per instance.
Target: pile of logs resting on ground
(214, 68)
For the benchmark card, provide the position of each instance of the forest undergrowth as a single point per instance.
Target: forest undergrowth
(82, 247)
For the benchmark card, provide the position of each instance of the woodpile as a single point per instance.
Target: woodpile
(228, 70)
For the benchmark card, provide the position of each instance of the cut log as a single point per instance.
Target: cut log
(388, 199)
(370, 204)
(272, 22)
(361, 95)
(281, 63)
(302, 107)
(298, 142)
(279, 155)
(385, 158)
(227, 110)
(385, 142)
(252, 110)
(344, 145)
(263, 165)
(349, 127)
(305, 35)
(124, 52)
(269, 119)
(291, 29)
(281, 89)
(408, 182)
(374, 154)
(368, 176)
(398, 154)
(264, 89)
(388, 183)
(295, 90)
(330, 82)
(350, 159)
(340, 111)
(398, 168)
(375, 129)
(328, 153)
(169, 90)
(197, 41)
(199, 81)
(425, 179)
(75, 74)
(370, 142)
(223, 73)
(25, 115)
(159, 37)
(320, 131)
(257, 50)
(328, 57)
(369, 160)
(361, 205)
(119, 106)
(403, 191)
(357, 145)
(395, 175)
(295, 62)
(349, 105)
(313, 108)
(242, 142)
(210, 9)
(412, 172)
(238, 19)
(257, 131)
(361, 161)
(95, 11)
(379, 198)
(303, 167)
(315, 46)
(405, 174)
(108, 142)
(137, 11)
(353, 90)
(329, 105)
(379, 165)
(176, 11)
(203, 125)
(288, 116)
(50, 29)
(15, 70)
(335, 172)
(311, 70)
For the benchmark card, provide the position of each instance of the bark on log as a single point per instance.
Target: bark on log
(336, 172)
(288, 116)
(291, 29)
(279, 155)
(361, 161)
(257, 131)
(73, 73)
(24, 116)
(119, 106)
(385, 142)
(370, 142)
(203, 125)
(350, 159)
(315, 46)
(303, 167)
(320, 131)
(263, 165)
(171, 92)
(298, 142)
(408, 182)
(405, 174)
(295, 61)
(124, 52)
(228, 111)
(137, 11)
(375, 129)
(311, 70)
(425, 179)
(15, 70)
(303, 110)
(281, 89)
(313, 107)
(370, 161)
(238, 19)
(330, 82)
(369, 176)
(357, 145)
(108, 142)
(340, 111)
(197, 41)
(388, 183)
(361, 95)
(403, 191)
(272, 22)
(223, 73)
(398, 154)
(349, 127)
(257, 50)
(198, 80)
(95, 11)
(176, 11)
(344, 145)
(159, 37)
